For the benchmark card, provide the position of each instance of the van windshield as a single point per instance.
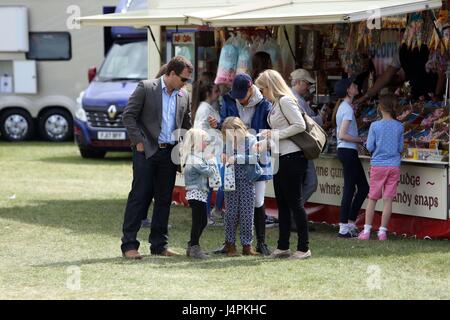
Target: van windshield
(125, 62)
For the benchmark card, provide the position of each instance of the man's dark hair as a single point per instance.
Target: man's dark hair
(178, 64)
(161, 71)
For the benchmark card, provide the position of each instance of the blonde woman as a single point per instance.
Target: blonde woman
(196, 167)
(285, 120)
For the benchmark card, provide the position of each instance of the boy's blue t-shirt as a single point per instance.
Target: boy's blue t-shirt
(385, 142)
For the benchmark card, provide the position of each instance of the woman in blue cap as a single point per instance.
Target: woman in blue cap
(347, 153)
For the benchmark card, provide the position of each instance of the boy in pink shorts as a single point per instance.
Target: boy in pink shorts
(385, 142)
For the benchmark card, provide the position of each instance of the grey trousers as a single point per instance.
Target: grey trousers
(310, 181)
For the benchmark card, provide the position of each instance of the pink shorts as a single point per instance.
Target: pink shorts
(383, 182)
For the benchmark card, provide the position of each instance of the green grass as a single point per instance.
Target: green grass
(68, 211)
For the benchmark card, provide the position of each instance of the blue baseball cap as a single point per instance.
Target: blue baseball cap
(242, 82)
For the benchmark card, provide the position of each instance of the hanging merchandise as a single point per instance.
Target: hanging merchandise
(414, 32)
(442, 24)
(309, 55)
(256, 45)
(436, 62)
(226, 71)
(352, 62)
(337, 31)
(394, 22)
(244, 64)
(340, 33)
(272, 48)
(364, 39)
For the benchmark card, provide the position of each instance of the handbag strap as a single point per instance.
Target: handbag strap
(301, 112)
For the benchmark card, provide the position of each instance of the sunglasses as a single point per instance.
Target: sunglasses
(183, 79)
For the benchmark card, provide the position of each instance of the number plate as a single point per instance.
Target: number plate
(111, 135)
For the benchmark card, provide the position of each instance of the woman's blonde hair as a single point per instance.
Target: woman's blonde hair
(275, 84)
(194, 137)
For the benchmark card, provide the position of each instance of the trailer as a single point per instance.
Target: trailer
(44, 58)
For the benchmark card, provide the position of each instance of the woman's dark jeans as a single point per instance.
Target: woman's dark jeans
(354, 177)
(288, 192)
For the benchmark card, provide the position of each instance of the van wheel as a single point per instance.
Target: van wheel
(56, 125)
(92, 154)
(16, 125)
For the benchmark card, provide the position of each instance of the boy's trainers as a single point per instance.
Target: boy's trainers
(353, 232)
(344, 235)
(364, 235)
(348, 235)
(382, 236)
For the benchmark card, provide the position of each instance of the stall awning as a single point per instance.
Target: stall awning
(260, 13)
(318, 12)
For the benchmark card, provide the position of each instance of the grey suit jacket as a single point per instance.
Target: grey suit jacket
(142, 116)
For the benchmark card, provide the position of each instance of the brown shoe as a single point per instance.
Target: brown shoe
(169, 253)
(248, 251)
(132, 255)
(231, 250)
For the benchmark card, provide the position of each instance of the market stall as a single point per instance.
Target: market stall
(331, 40)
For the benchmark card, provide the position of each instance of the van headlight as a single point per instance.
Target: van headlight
(80, 113)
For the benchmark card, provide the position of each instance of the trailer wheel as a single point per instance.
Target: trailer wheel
(16, 125)
(56, 125)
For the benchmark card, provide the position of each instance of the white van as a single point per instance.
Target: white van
(44, 62)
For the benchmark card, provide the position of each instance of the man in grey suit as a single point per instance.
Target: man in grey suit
(155, 109)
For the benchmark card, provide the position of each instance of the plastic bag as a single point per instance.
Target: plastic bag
(226, 70)
(244, 64)
(229, 183)
(272, 48)
(215, 181)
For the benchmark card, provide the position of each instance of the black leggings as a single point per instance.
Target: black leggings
(354, 176)
(288, 184)
(199, 220)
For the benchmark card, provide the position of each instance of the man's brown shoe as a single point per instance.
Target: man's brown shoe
(132, 255)
(168, 253)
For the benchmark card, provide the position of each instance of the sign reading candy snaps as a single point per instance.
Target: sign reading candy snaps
(422, 190)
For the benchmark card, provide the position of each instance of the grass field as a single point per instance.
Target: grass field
(60, 217)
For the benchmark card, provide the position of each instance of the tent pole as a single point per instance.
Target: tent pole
(154, 57)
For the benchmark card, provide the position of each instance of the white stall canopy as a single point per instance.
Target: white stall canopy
(260, 13)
